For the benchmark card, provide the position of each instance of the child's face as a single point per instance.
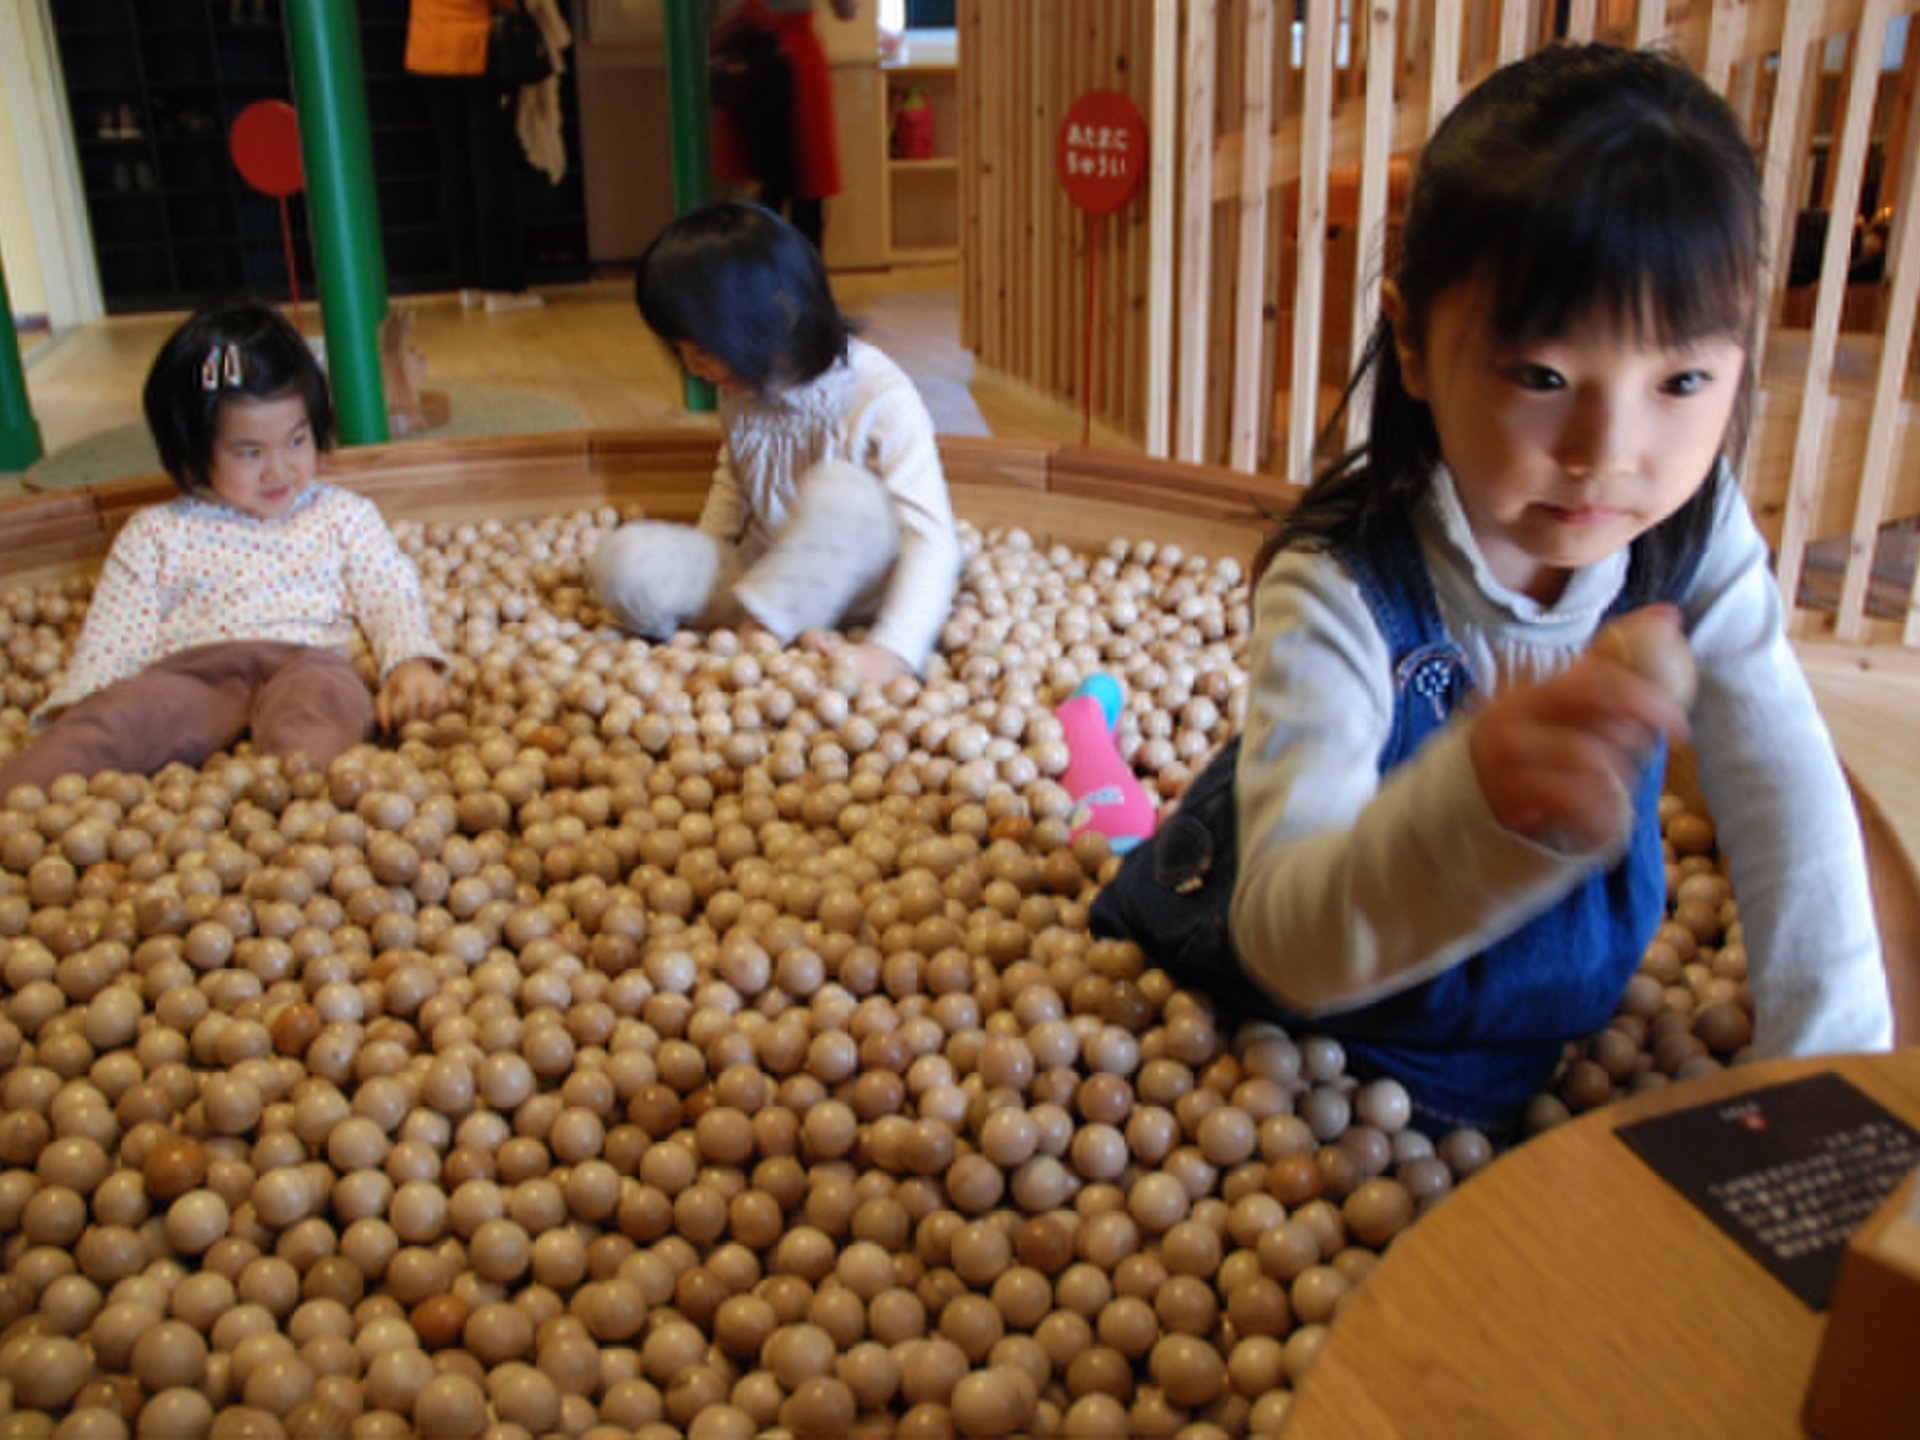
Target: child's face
(264, 455)
(704, 366)
(1566, 450)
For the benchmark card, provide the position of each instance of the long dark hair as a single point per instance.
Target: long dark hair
(237, 349)
(746, 287)
(1582, 180)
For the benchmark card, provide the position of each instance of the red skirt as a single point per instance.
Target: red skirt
(816, 149)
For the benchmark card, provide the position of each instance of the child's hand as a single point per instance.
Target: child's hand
(413, 690)
(1558, 761)
(876, 664)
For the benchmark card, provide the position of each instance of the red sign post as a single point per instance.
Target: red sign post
(265, 145)
(1101, 156)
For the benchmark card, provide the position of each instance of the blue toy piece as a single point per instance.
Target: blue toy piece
(1104, 688)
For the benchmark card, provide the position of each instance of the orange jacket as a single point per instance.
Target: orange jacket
(448, 37)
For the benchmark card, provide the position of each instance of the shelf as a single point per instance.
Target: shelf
(923, 254)
(922, 213)
(196, 231)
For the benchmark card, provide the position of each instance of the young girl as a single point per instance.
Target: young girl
(228, 610)
(1448, 850)
(828, 503)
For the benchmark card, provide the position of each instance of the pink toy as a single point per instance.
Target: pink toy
(1106, 795)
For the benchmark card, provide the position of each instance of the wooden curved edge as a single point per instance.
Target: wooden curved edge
(1896, 908)
(1059, 494)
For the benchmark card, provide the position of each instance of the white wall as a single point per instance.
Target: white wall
(48, 245)
(18, 250)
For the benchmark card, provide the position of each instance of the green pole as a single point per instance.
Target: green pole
(329, 91)
(19, 433)
(686, 36)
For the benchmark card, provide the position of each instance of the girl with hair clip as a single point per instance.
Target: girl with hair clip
(828, 504)
(229, 610)
(1443, 805)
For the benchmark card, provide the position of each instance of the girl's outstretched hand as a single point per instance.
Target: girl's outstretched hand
(1558, 761)
(413, 690)
(876, 664)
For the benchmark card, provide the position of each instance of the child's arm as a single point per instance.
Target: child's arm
(894, 438)
(122, 627)
(383, 592)
(413, 690)
(1558, 761)
(1782, 810)
(1353, 886)
(725, 511)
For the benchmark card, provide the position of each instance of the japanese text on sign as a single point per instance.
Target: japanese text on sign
(1101, 150)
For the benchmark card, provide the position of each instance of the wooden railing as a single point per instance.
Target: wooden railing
(1221, 338)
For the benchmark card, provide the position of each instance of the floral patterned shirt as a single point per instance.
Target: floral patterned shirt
(199, 572)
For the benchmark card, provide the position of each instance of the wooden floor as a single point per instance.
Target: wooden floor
(589, 347)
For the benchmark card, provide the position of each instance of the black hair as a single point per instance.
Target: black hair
(237, 348)
(746, 287)
(1582, 180)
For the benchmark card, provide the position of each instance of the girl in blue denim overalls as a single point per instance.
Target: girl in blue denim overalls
(1447, 845)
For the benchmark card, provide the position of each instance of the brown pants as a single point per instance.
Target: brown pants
(194, 702)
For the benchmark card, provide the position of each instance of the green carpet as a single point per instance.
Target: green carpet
(127, 450)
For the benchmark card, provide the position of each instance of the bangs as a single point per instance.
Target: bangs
(1654, 246)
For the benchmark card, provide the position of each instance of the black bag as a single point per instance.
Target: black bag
(1171, 893)
(516, 50)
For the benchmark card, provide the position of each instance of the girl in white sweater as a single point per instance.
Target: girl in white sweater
(828, 505)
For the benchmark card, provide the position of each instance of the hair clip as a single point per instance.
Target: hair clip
(221, 368)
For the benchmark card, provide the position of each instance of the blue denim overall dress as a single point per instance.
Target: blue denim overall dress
(1475, 1043)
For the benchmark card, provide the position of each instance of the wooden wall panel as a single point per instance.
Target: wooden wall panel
(1024, 287)
(1291, 171)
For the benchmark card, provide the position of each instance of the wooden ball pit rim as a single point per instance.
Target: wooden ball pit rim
(1059, 494)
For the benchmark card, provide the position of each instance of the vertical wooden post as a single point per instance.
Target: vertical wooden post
(1806, 478)
(1310, 270)
(1252, 401)
(1196, 232)
(1162, 184)
(1370, 222)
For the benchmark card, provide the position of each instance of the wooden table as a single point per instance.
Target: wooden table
(1568, 1291)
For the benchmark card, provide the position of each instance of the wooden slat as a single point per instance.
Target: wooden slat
(1516, 31)
(1164, 124)
(1443, 80)
(1371, 220)
(1304, 402)
(1650, 22)
(1196, 230)
(1807, 476)
(1777, 165)
(1876, 469)
(1250, 405)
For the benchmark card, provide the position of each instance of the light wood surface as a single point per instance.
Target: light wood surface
(1568, 1291)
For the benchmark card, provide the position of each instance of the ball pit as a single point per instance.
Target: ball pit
(683, 1040)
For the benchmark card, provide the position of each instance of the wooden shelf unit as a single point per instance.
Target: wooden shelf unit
(922, 196)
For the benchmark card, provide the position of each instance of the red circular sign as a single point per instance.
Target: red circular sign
(265, 143)
(1102, 151)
